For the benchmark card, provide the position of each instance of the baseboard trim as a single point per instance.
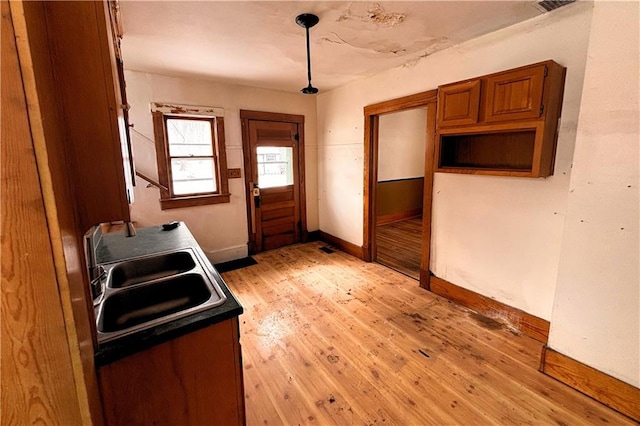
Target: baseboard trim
(343, 245)
(312, 236)
(228, 254)
(612, 392)
(395, 217)
(525, 323)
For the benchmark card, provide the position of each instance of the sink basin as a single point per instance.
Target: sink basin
(135, 271)
(147, 291)
(134, 306)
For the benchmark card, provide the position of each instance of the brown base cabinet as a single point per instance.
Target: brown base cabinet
(195, 379)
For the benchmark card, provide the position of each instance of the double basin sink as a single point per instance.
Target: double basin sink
(143, 292)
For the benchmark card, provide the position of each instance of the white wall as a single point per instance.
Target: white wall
(596, 314)
(402, 140)
(221, 229)
(498, 236)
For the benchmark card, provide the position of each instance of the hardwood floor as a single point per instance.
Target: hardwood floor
(398, 246)
(328, 339)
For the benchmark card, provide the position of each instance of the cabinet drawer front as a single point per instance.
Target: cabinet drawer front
(515, 95)
(458, 104)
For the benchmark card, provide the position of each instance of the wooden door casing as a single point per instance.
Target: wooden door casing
(372, 112)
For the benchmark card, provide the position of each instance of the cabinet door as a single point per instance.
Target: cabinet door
(458, 103)
(82, 66)
(114, 29)
(194, 379)
(515, 95)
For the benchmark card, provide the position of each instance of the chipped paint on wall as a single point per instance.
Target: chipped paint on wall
(166, 108)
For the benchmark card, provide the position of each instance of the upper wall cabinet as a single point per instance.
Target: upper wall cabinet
(515, 95)
(501, 124)
(74, 63)
(459, 103)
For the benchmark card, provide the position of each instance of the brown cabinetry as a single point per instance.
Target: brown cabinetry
(74, 60)
(515, 95)
(195, 379)
(459, 103)
(515, 128)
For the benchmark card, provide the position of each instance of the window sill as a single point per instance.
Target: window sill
(192, 201)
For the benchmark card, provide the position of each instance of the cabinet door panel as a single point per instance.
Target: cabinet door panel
(194, 379)
(515, 95)
(82, 60)
(458, 104)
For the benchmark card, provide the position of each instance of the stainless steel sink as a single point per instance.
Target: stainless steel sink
(135, 271)
(152, 290)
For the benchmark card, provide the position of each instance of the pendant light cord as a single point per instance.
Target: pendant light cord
(308, 20)
(308, 57)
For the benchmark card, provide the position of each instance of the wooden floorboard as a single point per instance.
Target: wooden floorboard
(398, 246)
(330, 339)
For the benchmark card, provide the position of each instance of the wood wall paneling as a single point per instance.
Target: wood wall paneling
(398, 199)
(36, 367)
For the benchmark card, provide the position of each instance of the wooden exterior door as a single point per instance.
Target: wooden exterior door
(274, 171)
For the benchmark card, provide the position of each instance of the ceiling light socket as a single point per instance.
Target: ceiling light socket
(309, 90)
(307, 20)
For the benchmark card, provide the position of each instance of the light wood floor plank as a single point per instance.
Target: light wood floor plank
(329, 339)
(398, 245)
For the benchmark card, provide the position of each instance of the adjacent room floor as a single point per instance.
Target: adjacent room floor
(329, 339)
(399, 245)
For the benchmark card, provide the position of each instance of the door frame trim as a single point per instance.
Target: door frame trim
(372, 113)
(245, 117)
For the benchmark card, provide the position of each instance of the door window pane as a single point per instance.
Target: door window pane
(275, 166)
(189, 137)
(193, 175)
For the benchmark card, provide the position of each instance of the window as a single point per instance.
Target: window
(191, 157)
(275, 166)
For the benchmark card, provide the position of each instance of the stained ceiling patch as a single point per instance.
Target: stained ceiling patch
(374, 14)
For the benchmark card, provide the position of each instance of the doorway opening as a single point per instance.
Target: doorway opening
(273, 149)
(399, 189)
(402, 141)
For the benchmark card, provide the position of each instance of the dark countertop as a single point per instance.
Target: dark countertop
(115, 246)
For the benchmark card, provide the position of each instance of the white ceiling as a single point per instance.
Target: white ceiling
(258, 43)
